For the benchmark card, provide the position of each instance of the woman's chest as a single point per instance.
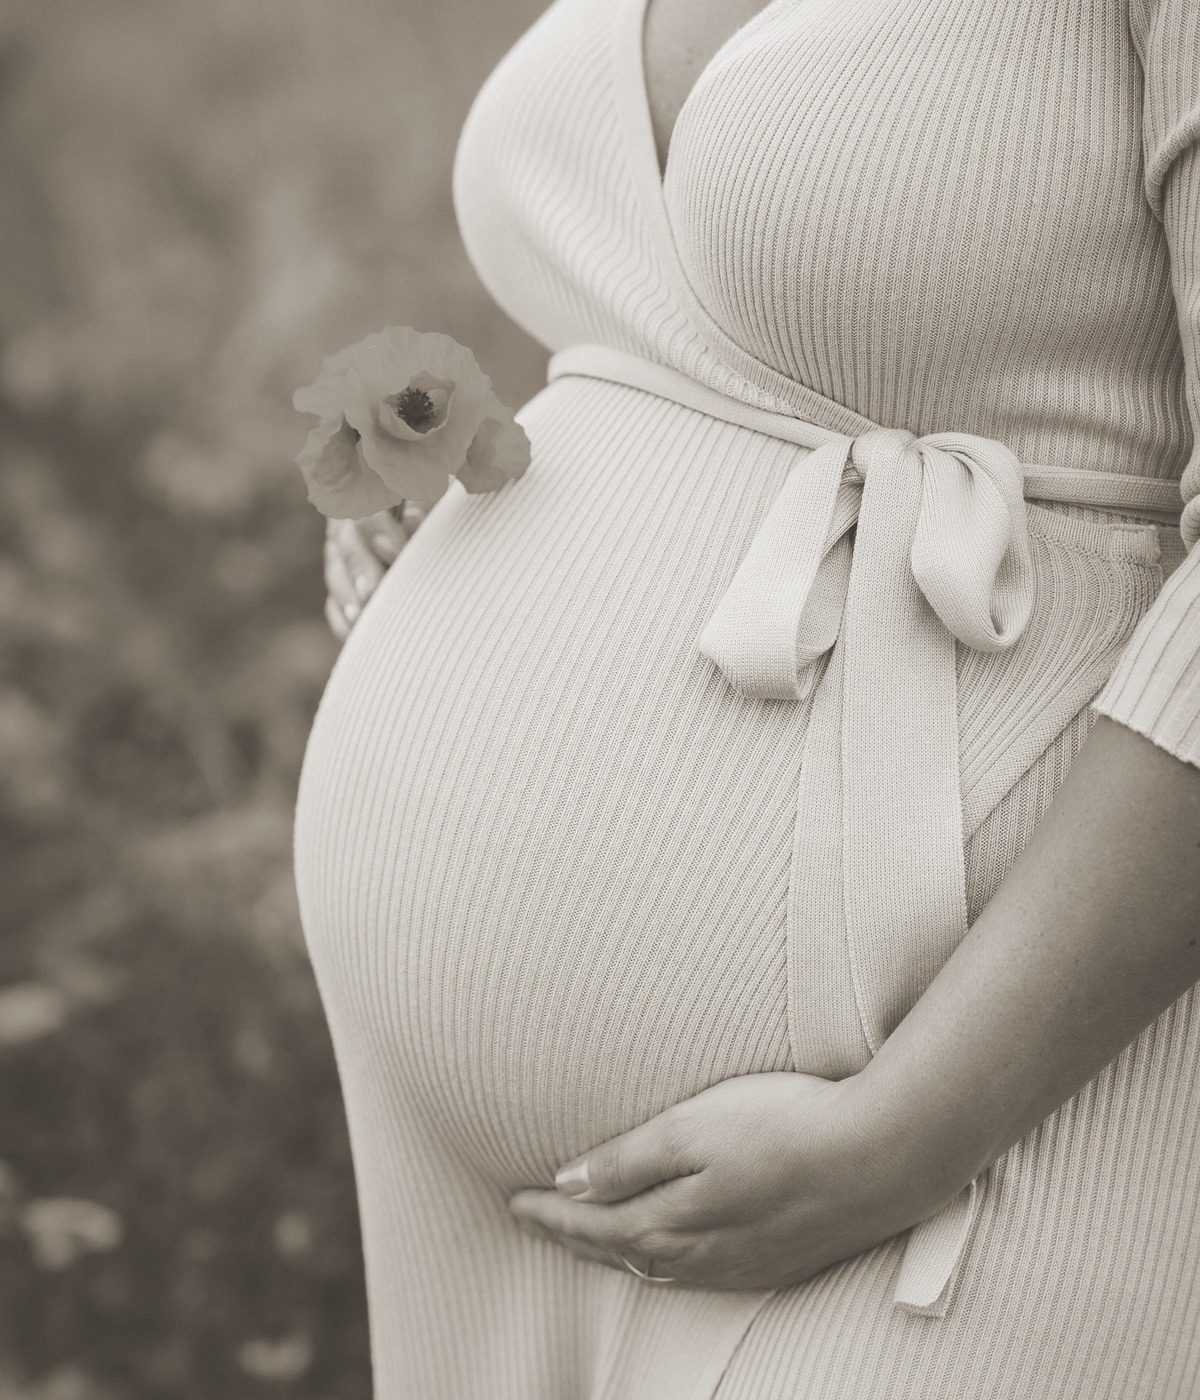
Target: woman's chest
(854, 188)
(680, 39)
(925, 210)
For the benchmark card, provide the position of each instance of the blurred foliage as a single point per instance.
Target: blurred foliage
(200, 201)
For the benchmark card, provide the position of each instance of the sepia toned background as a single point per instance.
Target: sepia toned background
(199, 200)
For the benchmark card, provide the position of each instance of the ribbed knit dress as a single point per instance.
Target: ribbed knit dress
(560, 868)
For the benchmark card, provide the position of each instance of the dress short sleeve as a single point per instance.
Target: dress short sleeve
(1155, 688)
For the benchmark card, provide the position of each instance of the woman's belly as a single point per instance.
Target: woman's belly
(542, 847)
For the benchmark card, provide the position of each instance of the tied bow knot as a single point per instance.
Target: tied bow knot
(954, 500)
(970, 551)
(940, 553)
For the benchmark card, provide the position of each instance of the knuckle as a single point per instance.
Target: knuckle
(680, 1139)
(661, 1245)
(644, 1234)
(675, 1132)
(609, 1167)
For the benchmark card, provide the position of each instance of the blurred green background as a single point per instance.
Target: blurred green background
(199, 200)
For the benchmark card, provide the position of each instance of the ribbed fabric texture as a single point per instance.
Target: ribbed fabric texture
(546, 853)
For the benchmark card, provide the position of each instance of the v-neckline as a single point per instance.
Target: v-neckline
(638, 14)
(633, 99)
(628, 18)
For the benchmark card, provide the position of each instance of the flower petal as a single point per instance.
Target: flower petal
(358, 406)
(323, 396)
(410, 469)
(438, 355)
(500, 452)
(340, 483)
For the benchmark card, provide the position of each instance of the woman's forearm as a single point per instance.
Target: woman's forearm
(1094, 932)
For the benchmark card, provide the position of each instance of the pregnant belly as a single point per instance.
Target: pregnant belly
(542, 848)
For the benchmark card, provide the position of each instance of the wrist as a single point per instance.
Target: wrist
(918, 1153)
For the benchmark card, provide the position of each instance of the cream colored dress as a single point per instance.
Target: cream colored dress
(594, 815)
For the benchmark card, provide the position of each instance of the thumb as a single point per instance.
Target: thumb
(652, 1152)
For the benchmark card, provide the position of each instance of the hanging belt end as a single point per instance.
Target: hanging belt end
(933, 1256)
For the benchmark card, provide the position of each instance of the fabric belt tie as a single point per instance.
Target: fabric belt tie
(940, 555)
(941, 552)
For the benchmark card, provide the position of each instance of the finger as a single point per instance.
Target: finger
(384, 535)
(655, 1151)
(411, 514)
(628, 1227)
(337, 622)
(364, 568)
(338, 580)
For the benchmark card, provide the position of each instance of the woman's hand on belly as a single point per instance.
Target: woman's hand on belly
(758, 1182)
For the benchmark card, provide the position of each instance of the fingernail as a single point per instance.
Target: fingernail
(386, 548)
(573, 1181)
(350, 611)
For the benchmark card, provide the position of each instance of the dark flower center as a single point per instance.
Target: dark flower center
(414, 407)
